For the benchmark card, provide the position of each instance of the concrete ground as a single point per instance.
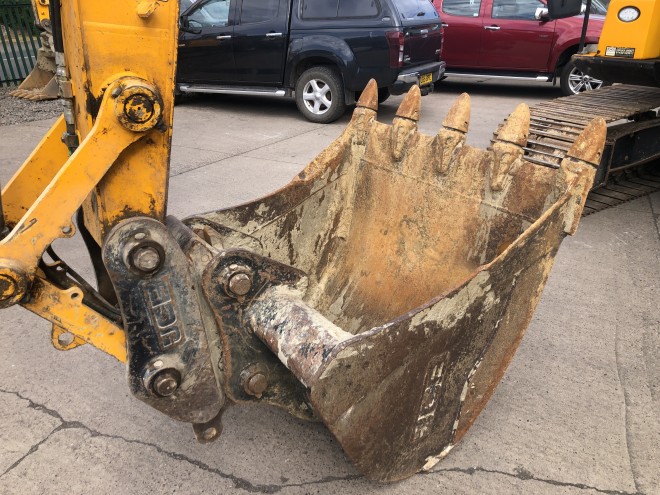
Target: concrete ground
(576, 413)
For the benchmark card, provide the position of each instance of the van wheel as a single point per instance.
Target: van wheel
(574, 81)
(320, 95)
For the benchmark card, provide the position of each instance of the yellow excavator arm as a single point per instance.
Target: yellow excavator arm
(383, 291)
(117, 90)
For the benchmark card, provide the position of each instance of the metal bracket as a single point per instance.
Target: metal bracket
(253, 373)
(169, 365)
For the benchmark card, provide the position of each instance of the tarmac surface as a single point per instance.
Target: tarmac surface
(578, 411)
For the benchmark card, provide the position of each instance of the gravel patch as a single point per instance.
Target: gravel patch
(17, 110)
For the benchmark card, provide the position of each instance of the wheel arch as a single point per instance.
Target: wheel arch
(563, 59)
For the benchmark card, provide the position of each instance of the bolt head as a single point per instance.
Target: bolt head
(166, 383)
(13, 283)
(7, 287)
(240, 284)
(210, 433)
(139, 108)
(256, 384)
(146, 259)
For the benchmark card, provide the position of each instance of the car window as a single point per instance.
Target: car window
(258, 10)
(598, 7)
(516, 9)
(353, 8)
(463, 8)
(331, 9)
(210, 14)
(416, 9)
(185, 5)
(319, 9)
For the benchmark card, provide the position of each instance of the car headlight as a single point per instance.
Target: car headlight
(628, 14)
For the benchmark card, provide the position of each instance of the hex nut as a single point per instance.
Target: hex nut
(146, 259)
(166, 382)
(236, 279)
(240, 284)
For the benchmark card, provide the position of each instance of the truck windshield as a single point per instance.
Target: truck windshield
(416, 9)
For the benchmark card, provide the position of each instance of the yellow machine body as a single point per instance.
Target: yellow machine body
(638, 39)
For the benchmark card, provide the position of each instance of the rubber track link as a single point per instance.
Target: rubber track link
(630, 112)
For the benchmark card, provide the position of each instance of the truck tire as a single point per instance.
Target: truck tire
(383, 94)
(320, 95)
(574, 81)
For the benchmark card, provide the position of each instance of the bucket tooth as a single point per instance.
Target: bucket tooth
(508, 145)
(451, 135)
(589, 144)
(366, 111)
(404, 125)
(578, 169)
(516, 128)
(369, 97)
(410, 105)
(458, 117)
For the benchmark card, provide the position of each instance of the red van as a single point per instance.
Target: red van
(514, 39)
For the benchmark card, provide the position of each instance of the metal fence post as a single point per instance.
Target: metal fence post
(19, 41)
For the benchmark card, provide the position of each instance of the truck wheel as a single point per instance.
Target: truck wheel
(574, 81)
(320, 95)
(383, 94)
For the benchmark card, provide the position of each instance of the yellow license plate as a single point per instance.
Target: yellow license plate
(425, 79)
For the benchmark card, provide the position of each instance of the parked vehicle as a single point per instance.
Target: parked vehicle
(322, 51)
(598, 7)
(515, 39)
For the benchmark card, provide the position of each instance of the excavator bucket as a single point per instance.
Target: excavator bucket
(385, 289)
(41, 83)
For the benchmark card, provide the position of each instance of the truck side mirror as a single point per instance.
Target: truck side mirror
(184, 25)
(559, 9)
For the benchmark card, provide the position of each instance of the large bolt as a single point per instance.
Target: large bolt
(166, 383)
(139, 108)
(146, 258)
(13, 283)
(8, 287)
(255, 384)
(240, 284)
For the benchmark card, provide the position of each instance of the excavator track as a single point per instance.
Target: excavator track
(624, 187)
(631, 160)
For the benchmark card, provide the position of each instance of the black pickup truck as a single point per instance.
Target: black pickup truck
(322, 51)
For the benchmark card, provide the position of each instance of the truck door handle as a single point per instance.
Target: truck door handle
(444, 24)
(274, 35)
(223, 37)
(492, 28)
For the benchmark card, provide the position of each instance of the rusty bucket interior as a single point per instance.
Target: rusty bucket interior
(420, 262)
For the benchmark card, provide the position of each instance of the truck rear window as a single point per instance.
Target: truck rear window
(416, 9)
(332, 9)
